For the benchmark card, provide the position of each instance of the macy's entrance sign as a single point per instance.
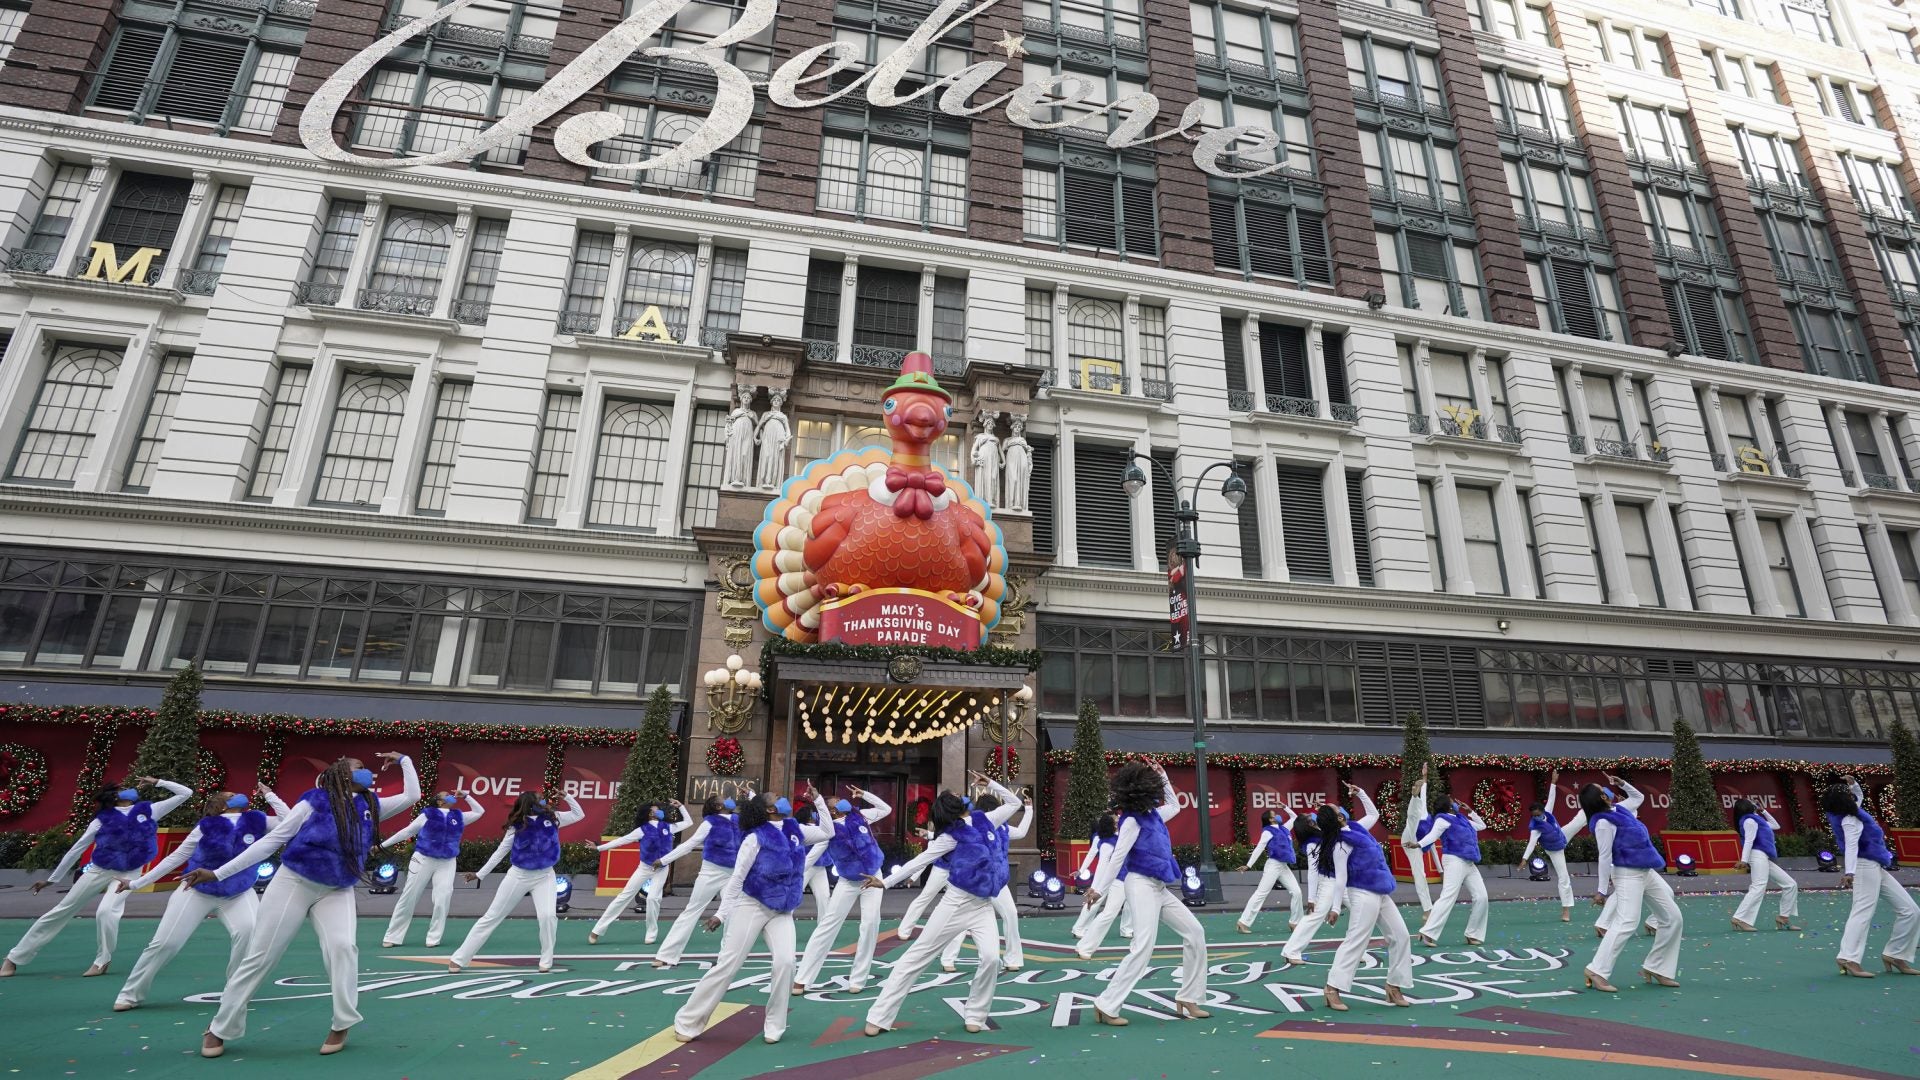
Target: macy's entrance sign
(733, 100)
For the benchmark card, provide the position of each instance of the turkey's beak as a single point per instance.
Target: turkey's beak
(922, 421)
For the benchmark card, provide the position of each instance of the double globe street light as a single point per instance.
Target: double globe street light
(1182, 562)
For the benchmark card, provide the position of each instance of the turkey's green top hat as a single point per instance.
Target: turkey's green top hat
(916, 373)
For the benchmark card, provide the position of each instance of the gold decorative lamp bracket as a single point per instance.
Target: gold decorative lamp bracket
(731, 693)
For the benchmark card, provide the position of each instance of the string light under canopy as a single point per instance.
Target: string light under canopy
(889, 715)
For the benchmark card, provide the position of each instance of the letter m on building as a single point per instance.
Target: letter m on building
(104, 263)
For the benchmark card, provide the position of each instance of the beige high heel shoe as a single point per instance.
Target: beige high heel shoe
(1110, 1021)
(212, 1046)
(1397, 997)
(1745, 928)
(1243, 928)
(1595, 982)
(1189, 1010)
(1566, 914)
(1656, 977)
(336, 1042)
(1898, 966)
(1782, 922)
(1333, 1000)
(1848, 967)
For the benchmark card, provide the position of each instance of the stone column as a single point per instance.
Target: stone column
(702, 285)
(449, 287)
(849, 297)
(186, 238)
(1453, 543)
(616, 282)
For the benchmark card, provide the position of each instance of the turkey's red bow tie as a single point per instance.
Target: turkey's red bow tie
(916, 489)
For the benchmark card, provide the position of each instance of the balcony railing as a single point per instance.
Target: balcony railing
(471, 312)
(316, 294)
(713, 337)
(393, 303)
(1106, 381)
(1616, 448)
(1577, 444)
(1158, 389)
(478, 36)
(1240, 400)
(1883, 481)
(1751, 461)
(578, 322)
(949, 366)
(1419, 425)
(154, 269)
(32, 262)
(1449, 426)
(1292, 406)
(1086, 34)
(199, 282)
(822, 350)
(878, 356)
(1344, 412)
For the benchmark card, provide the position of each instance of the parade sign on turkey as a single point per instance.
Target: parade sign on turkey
(879, 545)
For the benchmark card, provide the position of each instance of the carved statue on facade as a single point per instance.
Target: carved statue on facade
(737, 471)
(986, 460)
(1019, 466)
(774, 436)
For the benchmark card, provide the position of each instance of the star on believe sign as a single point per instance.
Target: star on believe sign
(733, 97)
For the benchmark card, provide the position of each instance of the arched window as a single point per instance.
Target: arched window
(362, 441)
(65, 414)
(658, 274)
(628, 465)
(412, 260)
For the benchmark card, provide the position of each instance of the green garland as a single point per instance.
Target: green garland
(1819, 770)
(984, 656)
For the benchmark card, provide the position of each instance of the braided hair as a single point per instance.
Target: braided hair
(337, 782)
(1327, 820)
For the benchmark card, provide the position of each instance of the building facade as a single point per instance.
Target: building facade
(1568, 351)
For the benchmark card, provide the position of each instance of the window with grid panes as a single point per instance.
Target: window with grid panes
(1407, 169)
(1530, 106)
(553, 458)
(1655, 135)
(50, 225)
(443, 447)
(1249, 522)
(949, 317)
(1551, 199)
(1844, 100)
(821, 319)
(1786, 583)
(1303, 522)
(1082, 19)
(67, 413)
(483, 269)
(1831, 342)
(1680, 220)
(1517, 20)
(1801, 248)
(1090, 207)
(1636, 540)
(1742, 75)
(168, 383)
(1429, 522)
(1497, 411)
(886, 309)
(1039, 328)
(1452, 389)
(1153, 352)
(1860, 435)
(659, 274)
(145, 212)
(174, 66)
(696, 24)
(10, 20)
(1393, 74)
(1876, 186)
(328, 277)
(1257, 232)
(726, 292)
(276, 441)
(1430, 272)
(587, 278)
(1480, 532)
(705, 464)
(410, 262)
(1098, 86)
(1737, 418)
(1257, 41)
(1768, 159)
(1096, 331)
(223, 223)
(1293, 155)
(730, 172)
(362, 440)
(1603, 407)
(1899, 265)
(629, 464)
(1103, 512)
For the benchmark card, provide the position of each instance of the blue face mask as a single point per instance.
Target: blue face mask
(969, 803)
(782, 806)
(541, 803)
(730, 805)
(363, 777)
(449, 800)
(659, 814)
(1608, 792)
(237, 802)
(129, 795)
(843, 806)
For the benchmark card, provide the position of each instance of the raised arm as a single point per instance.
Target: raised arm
(1019, 832)
(474, 811)
(272, 800)
(1368, 812)
(573, 814)
(876, 807)
(686, 818)
(409, 790)
(1170, 804)
(177, 794)
(1003, 813)
(936, 847)
(1110, 866)
(1768, 814)
(619, 841)
(174, 860)
(699, 837)
(72, 857)
(737, 881)
(262, 849)
(407, 832)
(1631, 804)
(1473, 816)
(499, 852)
(1416, 813)
(1291, 817)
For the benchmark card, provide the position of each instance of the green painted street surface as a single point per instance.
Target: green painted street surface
(1767, 1004)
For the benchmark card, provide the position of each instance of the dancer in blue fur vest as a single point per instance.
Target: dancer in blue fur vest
(436, 833)
(1455, 827)
(718, 839)
(761, 894)
(1090, 927)
(325, 834)
(1759, 857)
(855, 850)
(1276, 843)
(654, 834)
(124, 836)
(1867, 868)
(1146, 801)
(1014, 957)
(530, 842)
(1545, 833)
(1356, 865)
(230, 826)
(1631, 868)
(967, 839)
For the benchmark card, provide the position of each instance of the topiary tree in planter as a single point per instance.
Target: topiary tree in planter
(1087, 795)
(1696, 805)
(1416, 756)
(1906, 775)
(650, 774)
(171, 749)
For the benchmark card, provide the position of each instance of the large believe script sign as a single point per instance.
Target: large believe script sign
(733, 99)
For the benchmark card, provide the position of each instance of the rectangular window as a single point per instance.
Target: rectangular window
(56, 215)
(1261, 238)
(726, 295)
(327, 280)
(553, 461)
(168, 384)
(1429, 521)
(1357, 519)
(1260, 42)
(1593, 541)
(587, 279)
(443, 447)
(1430, 273)
(950, 317)
(1603, 408)
(1876, 186)
(1636, 540)
(1514, 19)
(1809, 19)
(1283, 363)
(886, 309)
(10, 20)
(421, 111)
(1769, 159)
(145, 212)
(1533, 543)
(1906, 565)
(1303, 521)
(1686, 566)
(894, 183)
(1249, 517)
(1103, 513)
(1831, 343)
(1095, 331)
(1786, 585)
(1153, 352)
(223, 223)
(1040, 494)
(67, 414)
(1480, 529)
(1039, 328)
(1085, 207)
(629, 464)
(1233, 339)
(704, 467)
(483, 270)
(1866, 446)
(410, 263)
(362, 441)
(276, 443)
(1655, 135)
(225, 80)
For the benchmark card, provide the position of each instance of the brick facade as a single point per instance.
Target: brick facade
(340, 28)
(54, 59)
(1186, 234)
(1336, 152)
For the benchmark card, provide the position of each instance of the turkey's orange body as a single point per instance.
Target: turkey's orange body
(859, 542)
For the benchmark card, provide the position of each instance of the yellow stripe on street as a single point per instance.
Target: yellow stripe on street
(640, 1055)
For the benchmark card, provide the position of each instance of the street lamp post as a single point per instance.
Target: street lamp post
(1186, 545)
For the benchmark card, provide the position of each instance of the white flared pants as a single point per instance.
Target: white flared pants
(746, 923)
(959, 913)
(1765, 872)
(421, 873)
(711, 880)
(1457, 873)
(1009, 916)
(1272, 873)
(1153, 903)
(514, 884)
(1871, 884)
(92, 882)
(289, 901)
(186, 910)
(1365, 911)
(1632, 890)
(846, 895)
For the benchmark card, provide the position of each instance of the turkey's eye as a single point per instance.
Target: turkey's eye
(891, 402)
(949, 412)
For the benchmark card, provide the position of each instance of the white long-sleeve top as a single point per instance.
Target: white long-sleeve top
(1260, 845)
(685, 823)
(1095, 845)
(473, 812)
(1018, 831)
(1310, 850)
(1337, 894)
(177, 794)
(1573, 825)
(1603, 831)
(561, 819)
(1750, 831)
(736, 888)
(1129, 833)
(289, 822)
(944, 843)
(1851, 829)
(178, 856)
(1416, 813)
(1441, 824)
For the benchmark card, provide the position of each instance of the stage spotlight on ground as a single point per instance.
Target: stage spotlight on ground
(562, 893)
(1537, 868)
(385, 879)
(1685, 865)
(1192, 891)
(263, 875)
(1037, 884)
(1055, 894)
(1826, 863)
